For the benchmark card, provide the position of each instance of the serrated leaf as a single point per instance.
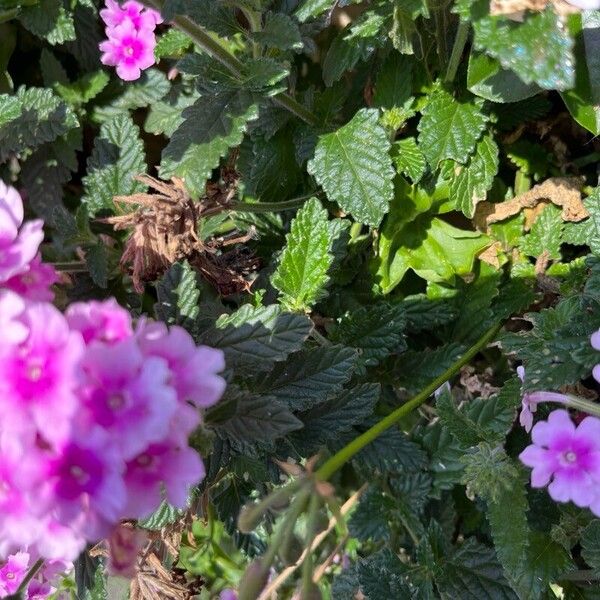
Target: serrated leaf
(382, 576)
(313, 8)
(342, 55)
(393, 86)
(264, 75)
(258, 336)
(471, 182)
(164, 515)
(166, 116)
(377, 331)
(301, 274)
(41, 117)
(308, 377)
(449, 128)
(590, 545)
(83, 90)
(279, 31)
(587, 232)
(324, 422)
(516, 45)
(88, 34)
(90, 578)
(356, 175)
(49, 20)
(118, 156)
(409, 159)
(215, 15)
(96, 260)
(211, 126)
(178, 296)
(545, 235)
(423, 313)
(173, 44)
(372, 517)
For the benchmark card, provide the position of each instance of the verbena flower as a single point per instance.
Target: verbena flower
(13, 572)
(595, 341)
(35, 281)
(100, 321)
(19, 242)
(565, 458)
(124, 544)
(131, 12)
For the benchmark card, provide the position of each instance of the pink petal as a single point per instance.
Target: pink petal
(559, 424)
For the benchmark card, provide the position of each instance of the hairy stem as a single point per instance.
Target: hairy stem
(357, 444)
(462, 34)
(266, 207)
(219, 52)
(30, 575)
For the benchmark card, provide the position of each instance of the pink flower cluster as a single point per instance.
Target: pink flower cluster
(21, 268)
(14, 569)
(131, 40)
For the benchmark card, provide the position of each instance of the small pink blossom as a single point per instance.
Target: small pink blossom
(131, 12)
(565, 457)
(13, 572)
(595, 341)
(19, 242)
(228, 594)
(130, 50)
(35, 281)
(124, 545)
(100, 321)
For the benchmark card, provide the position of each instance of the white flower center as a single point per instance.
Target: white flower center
(34, 371)
(79, 474)
(117, 401)
(129, 51)
(570, 457)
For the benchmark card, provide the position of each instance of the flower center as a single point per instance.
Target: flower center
(570, 457)
(10, 575)
(117, 401)
(129, 51)
(34, 371)
(144, 460)
(79, 474)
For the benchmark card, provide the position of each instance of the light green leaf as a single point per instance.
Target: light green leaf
(449, 128)
(301, 274)
(264, 75)
(164, 515)
(279, 31)
(178, 296)
(470, 183)
(356, 175)
(545, 235)
(165, 116)
(590, 544)
(172, 44)
(587, 232)
(83, 90)
(409, 159)
(313, 8)
(49, 20)
(211, 126)
(117, 157)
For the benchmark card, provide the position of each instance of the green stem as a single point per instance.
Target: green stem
(266, 207)
(30, 575)
(462, 34)
(219, 52)
(311, 532)
(71, 267)
(357, 444)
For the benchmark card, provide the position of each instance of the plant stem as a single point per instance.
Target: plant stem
(219, 52)
(311, 532)
(71, 267)
(30, 575)
(462, 34)
(357, 444)
(266, 207)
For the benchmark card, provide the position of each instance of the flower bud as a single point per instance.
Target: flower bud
(253, 581)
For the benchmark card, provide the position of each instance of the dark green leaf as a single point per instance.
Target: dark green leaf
(178, 296)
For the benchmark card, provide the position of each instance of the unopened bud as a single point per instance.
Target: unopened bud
(253, 581)
(291, 550)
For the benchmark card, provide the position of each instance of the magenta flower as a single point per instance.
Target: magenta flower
(132, 13)
(83, 484)
(39, 590)
(124, 545)
(100, 321)
(129, 49)
(56, 541)
(194, 367)
(38, 375)
(228, 594)
(166, 464)
(127, 395)
(12, 307)
(565, 457)
(595, 341)
(19, 242)
(35, 281)
(13, 572)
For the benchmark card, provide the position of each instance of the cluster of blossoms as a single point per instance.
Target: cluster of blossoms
(131, 40)
(563, 455)
(95, 413)
(44, 584)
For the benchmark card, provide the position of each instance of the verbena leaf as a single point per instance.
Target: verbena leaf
(587, 232)
(381, 576)
(30, 118)
(356, 175)
(409, 159)
(211, 126)
(372, 517)
(449, 128)
(308, 377)
(342, 55)
(470, 183)
(262, 336)
(279, 31)
(117, 157)
(590, 544)
(49, 20)
(166, 116)
(393, 86)
(164, 515)
(178, 296)
(173, 43)
(301, 274)
(216, 16)
(376, 330)
(545, 234)
(313, 8)
(96, 260)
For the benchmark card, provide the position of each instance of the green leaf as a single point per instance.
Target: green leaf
(96, 259)
(118, 156)
(587, 232)
(216, 16)
(30, 118)
(260, 336)
(264, 75)
(342, 55)
(84, 89)
(382, 576)
(279, 31)
(211, 126)
(164, 515)
(590, 545)
(409, 159)
(473, 572)
(546, 234)
(308, 377)
(49, 20)
(470, 183)
(165, 116)
(516, 45)
(313, 8)
(172, 44)
(372, 517)
(449, 128)
(377, 331)
(467, 432)
(178, 296)
(356, 175)
(393, 86)
(301, 274)
(487, 79)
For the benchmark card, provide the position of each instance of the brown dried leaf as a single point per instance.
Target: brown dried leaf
(491, 255)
